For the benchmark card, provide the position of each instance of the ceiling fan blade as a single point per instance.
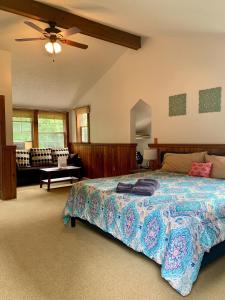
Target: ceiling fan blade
(29, 39)
(74, 44)
(34, 26)
(70, 31)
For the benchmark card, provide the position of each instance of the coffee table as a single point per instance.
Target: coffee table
(67, 174)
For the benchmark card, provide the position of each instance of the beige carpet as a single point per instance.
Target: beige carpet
(42, 259)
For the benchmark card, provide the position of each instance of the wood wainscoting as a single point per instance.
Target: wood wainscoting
(104, 160)
(186, 148)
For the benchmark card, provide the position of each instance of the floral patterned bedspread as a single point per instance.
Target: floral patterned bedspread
(174, 227)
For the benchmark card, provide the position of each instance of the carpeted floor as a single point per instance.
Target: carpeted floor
(42, 259)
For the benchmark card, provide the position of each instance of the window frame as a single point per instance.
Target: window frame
(35, 129)
(20, 113)
(78, 112)
(53, 116)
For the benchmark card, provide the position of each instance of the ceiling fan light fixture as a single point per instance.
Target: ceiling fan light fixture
(54, 36)
(53, 47)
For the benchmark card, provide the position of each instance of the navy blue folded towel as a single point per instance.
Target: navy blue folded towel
(144, 190)
(124, 187)
(147, 181)
(144, 187)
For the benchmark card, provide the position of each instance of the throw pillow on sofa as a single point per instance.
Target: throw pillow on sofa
(59, 152)
(23, 158)
(41, 157)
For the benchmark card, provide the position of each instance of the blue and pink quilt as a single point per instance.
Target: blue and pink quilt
(175, 227)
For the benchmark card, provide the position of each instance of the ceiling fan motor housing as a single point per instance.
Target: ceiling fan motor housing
(52, 28)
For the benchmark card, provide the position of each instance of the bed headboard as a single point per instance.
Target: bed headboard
(217, 149)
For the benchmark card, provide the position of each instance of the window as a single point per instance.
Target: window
(51, 129)
(40, 128)
(83, 124)
(23, 126)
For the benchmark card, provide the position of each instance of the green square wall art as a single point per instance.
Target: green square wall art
(177, 105)
(210, 100)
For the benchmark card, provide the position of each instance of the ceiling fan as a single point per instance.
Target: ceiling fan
(54, 35)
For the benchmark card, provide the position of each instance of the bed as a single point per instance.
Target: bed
(175, 227)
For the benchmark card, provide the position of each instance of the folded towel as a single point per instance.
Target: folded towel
(124, 187)
(148, 181)
(145, 187)
(144, 190)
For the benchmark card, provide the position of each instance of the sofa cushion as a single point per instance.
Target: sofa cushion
(59, 152)
(41, 157)
(23, 158)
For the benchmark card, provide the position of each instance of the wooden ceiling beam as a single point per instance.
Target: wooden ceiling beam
(45, 13)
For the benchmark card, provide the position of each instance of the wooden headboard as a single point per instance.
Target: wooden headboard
(217, 149)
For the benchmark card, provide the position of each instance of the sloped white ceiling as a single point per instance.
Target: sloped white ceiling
(151, 17)
(40, 82)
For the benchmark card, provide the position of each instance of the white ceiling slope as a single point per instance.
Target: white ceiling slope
(38, 82)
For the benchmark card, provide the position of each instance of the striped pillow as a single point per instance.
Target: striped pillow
(59, 152)
(23, 158)
(41, 157)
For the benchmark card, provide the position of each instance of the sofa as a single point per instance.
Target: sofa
(29, 162)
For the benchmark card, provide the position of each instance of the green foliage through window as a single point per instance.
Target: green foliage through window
(51, 133)
(84, 134)
(22, 129)
(51, 128)
(84, 127)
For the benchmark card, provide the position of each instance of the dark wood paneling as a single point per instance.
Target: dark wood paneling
(35, 129)
(45, 13)
(2, 121)
(187, 148)
(7, 160)
(97, 161)
(67, 135)
(104, 160)
(7, 172)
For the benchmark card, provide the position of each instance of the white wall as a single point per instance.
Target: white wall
(164, 66)
(6, 90)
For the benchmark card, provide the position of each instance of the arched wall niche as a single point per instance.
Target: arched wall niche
(140, 125)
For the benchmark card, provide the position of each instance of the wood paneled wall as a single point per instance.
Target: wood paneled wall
(7, 160)
(186, 148)
(2, 121)
(7, 172)
(103, 160)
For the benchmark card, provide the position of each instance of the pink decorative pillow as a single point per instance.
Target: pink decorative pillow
(200, 169)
